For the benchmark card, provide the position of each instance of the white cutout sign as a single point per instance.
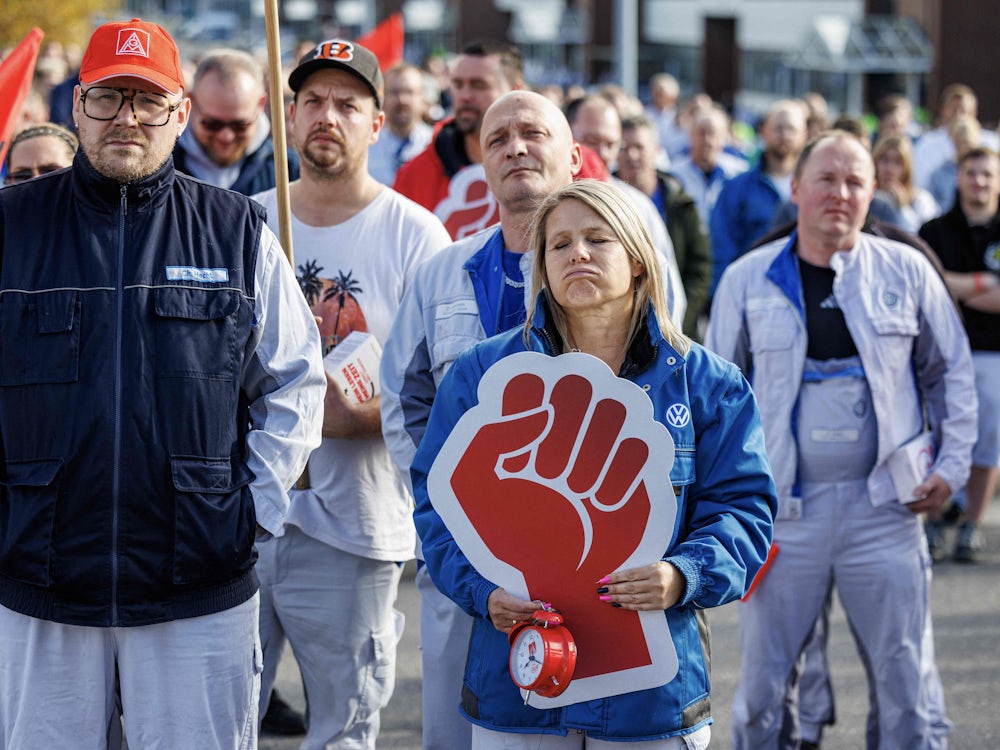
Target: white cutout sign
(558, 477)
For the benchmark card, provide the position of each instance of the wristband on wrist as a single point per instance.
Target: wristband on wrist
(977, 282)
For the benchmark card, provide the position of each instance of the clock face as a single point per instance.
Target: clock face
(526, 656)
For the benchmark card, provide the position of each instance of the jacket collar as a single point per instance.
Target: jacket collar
(643, 352)
(784, 273)
(449, 143)
(102, 192)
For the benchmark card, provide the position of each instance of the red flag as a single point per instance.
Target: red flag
(16, 73)
(385, 41)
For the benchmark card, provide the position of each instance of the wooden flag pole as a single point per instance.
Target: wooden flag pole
(277, 88)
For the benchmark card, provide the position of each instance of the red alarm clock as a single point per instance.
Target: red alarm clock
(542, 654)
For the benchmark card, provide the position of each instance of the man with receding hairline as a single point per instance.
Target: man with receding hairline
(708, 166)
(229, 142)
(473, 289)
(447, 177)
(597, 126)
(856, 355)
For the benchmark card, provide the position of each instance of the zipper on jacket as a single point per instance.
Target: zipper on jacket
(116, 450)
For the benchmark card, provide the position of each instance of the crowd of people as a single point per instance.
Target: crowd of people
(801, 311)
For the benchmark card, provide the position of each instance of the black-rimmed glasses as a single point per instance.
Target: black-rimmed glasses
(102, 103)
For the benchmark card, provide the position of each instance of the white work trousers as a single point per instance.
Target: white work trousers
(487, 739)
(877, 559)
(444, 638)
(189, 683)
(336, 611)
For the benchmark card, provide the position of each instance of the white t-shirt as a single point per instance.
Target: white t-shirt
(354, 275)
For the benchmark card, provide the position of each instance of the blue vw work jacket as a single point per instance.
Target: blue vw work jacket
(128, 387)
(725, 508)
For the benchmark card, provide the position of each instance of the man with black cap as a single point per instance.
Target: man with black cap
(160, 388)
(329, 584)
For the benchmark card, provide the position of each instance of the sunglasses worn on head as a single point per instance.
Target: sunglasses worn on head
(237, 126)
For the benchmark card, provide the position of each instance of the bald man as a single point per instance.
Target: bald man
(229, 142)
(476, 288)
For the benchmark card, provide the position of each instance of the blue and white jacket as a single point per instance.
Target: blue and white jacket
(725, 508)
(453, 303)
(161, 386)
(912, 346)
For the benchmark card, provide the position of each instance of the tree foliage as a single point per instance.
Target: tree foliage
(65, 21)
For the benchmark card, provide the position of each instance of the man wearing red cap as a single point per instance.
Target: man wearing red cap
(160, 388)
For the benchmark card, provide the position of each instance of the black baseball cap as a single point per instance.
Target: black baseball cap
(340, 53)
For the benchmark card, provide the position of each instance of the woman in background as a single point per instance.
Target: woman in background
(893, 156)
(38, 150)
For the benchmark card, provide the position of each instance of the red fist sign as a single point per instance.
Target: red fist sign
(469, 205)
(558, 477)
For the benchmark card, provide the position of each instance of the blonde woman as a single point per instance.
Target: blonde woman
(600, 292)
(893, 156)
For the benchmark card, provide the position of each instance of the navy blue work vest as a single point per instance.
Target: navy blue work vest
(125, 314)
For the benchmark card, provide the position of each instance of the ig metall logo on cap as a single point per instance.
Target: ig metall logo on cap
(133, 42)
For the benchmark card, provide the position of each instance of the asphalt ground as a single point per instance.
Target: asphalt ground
(966, 613)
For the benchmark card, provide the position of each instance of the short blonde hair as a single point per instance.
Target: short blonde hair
(611, 205)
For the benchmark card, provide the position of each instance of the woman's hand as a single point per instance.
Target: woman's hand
(656, 586)
(507, 610)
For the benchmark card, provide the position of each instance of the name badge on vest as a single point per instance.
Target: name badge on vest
(191, 273)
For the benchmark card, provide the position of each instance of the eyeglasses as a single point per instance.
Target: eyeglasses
(100, 103)
(29, 173)
(239, 127)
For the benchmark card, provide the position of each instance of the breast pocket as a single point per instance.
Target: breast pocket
(893, 312)
(27, 518)
(40, 338)
(456, 328)
(196, 332)
(772, 325)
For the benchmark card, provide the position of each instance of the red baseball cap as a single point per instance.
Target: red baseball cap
(134, 48)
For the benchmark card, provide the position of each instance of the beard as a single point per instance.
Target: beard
(468, 120)
(327, 160)
(124, 166)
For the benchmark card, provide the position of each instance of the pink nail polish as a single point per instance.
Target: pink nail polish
(604, 598)
(606, 579)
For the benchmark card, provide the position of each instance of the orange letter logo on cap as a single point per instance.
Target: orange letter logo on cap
(335, 49)
(133, 43)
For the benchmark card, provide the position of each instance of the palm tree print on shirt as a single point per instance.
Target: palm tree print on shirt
(333, 300)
